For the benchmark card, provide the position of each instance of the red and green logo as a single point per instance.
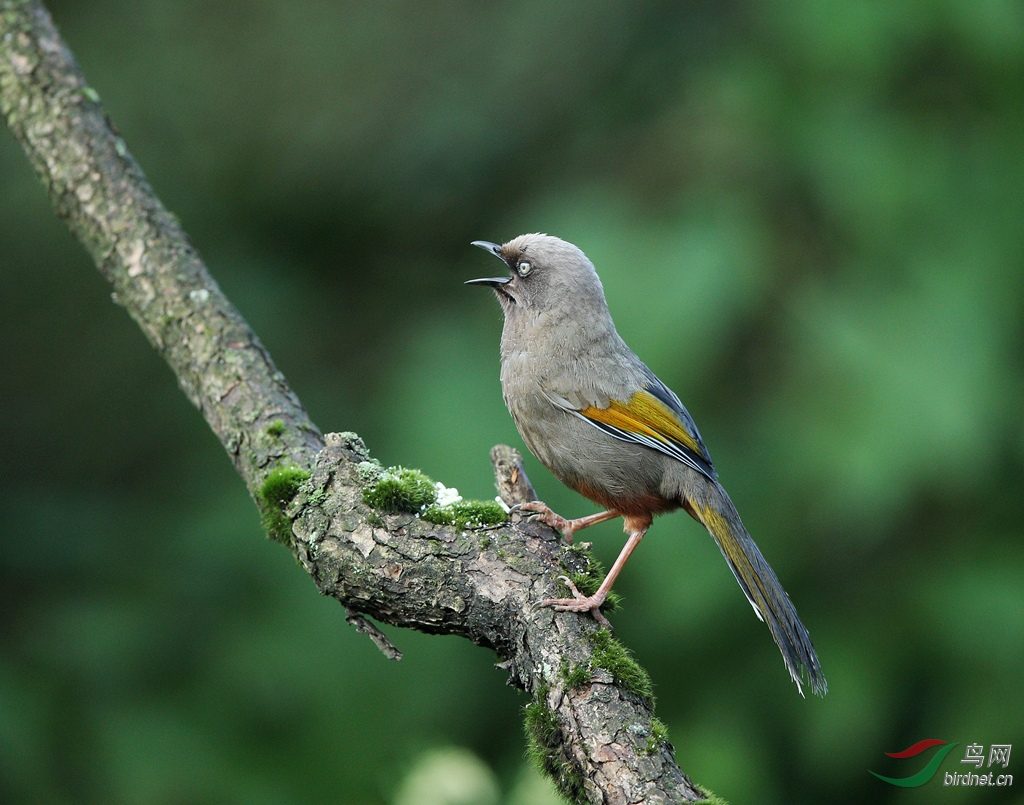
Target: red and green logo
(927, 772)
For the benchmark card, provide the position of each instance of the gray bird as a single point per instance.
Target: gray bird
(596, 416)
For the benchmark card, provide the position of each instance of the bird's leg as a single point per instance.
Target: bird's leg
(567, 527)
(592, 603)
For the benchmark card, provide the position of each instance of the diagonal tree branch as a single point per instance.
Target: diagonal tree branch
(590, 724)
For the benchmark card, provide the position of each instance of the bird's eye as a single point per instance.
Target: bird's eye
(523, 268)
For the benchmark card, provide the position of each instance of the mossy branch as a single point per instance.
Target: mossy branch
(475, 575)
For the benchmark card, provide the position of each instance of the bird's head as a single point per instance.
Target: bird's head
(547, 275)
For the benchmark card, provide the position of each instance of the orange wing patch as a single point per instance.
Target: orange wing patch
(644, 414)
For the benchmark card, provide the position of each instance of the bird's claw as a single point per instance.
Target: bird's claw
(548, 517)
(578, 603)
(577, 595)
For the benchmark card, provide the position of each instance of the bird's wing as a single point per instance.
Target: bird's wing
(653, 417)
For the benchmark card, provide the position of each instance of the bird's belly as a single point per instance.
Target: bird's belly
(616, 474)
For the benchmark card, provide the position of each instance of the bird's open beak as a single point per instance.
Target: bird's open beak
(493, 248)
(493, 282)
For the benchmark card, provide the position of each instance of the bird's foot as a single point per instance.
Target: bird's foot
(579, 603)
(556, 521)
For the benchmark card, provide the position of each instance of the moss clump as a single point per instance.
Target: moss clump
(658, 736)
(617, 660)
(544, 747)
(398, 489)
(369, 471)
(709, 798)
(276, 429)
(466, 514)
(277, 491)
(575, 676)
(587, 573)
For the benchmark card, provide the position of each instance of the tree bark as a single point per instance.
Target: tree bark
(590, 724)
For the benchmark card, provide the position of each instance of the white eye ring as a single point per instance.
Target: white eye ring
(524, 268)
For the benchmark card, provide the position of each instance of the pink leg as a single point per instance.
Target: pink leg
(592, 603)
(567, 527)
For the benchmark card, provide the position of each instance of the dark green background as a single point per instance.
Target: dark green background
(809, 219)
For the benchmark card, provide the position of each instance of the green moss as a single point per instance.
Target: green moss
(369, 471)
(318, 497)
(275, 429)
(400, 490)
(544, 747)
(277, 491)
(375, 520)
(485, 543)
(658, 736)
(709, 798)
(575, 676)
(617, 660)
(466, 514)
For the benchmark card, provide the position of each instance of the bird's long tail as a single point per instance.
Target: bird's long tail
(761, 586)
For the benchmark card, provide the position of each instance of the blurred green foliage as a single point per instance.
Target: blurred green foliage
(809, 219)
